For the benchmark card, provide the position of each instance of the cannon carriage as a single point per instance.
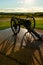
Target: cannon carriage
(28, 23)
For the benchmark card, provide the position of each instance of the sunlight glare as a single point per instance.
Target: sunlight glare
(30, 2)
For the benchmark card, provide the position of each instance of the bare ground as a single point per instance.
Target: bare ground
(19, 57)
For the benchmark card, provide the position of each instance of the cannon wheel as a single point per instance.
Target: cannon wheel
(15, 26)
(32, 20)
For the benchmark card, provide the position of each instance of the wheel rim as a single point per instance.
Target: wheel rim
(32, 20)
(15, 26)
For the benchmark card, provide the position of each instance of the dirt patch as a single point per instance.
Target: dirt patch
(40, 31)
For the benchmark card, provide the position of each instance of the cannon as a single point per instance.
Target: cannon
(28, 23)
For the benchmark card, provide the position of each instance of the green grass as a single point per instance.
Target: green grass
(39, 24)
(4, 25)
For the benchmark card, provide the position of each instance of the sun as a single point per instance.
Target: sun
(29, 2)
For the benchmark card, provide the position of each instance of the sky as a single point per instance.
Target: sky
(21, 5)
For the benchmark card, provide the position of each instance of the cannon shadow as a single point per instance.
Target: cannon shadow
(31, 54)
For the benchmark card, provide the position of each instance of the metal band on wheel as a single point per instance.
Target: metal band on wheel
(32, 20)
(15, 25)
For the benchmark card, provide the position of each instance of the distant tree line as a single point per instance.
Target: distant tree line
(37, 14)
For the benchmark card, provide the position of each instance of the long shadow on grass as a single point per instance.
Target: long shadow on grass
(29, 55)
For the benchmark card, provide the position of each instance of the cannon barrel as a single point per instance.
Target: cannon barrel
(19, 19)
(22, 21)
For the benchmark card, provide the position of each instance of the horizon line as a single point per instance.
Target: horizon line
(22, 10)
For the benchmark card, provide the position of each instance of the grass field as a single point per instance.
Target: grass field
(6, 24)
(39, 23)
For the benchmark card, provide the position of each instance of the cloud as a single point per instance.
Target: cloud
(35, 9)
